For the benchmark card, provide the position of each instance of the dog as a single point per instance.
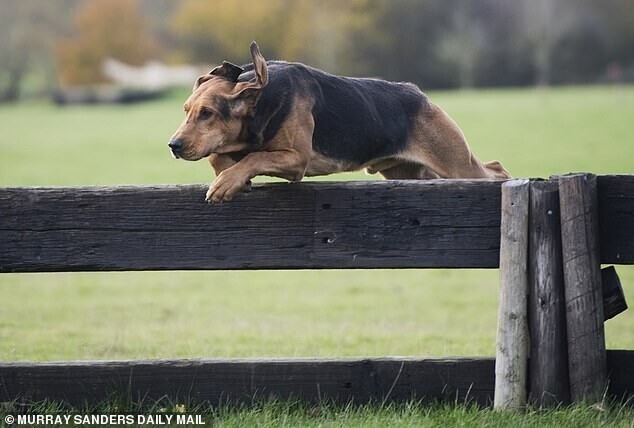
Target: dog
(289, 120)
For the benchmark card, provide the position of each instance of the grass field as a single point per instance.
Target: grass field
(301, 313)
(295, 414)
(534, 133)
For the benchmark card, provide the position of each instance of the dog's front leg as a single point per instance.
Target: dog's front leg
(287, 156)
(289, 164)
(221, 161)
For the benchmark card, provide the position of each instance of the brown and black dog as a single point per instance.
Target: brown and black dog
(289, 120)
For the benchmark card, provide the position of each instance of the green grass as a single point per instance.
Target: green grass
(233, 314)
(47, 317)
(417, 415)
(538, 133)
(258, 314)
(534, 133)
(411, 414)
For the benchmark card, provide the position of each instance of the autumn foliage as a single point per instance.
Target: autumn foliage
(103, 28)
(433, 43)
(302, 30)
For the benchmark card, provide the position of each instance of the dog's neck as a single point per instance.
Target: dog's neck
(250, 134)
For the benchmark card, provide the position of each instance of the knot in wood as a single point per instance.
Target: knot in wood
(326, 236)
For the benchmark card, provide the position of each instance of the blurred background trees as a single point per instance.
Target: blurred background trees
(434, 43)
(28, 30)
(103, 29)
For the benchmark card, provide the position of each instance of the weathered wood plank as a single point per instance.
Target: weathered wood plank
(512, 327)
(548, 368)
(582, 286)
(233, 381)
(223, 381)
(621, 374)
(616, 218)
(437, 223)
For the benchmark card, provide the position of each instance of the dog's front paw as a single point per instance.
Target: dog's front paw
(226, 186)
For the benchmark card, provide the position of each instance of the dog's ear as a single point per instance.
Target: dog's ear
(201, 80)
(227, 70)
(249, 92)
(259, 64)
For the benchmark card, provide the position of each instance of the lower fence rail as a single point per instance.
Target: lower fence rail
(217, 382)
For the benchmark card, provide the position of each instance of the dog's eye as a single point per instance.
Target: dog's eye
(205, 114)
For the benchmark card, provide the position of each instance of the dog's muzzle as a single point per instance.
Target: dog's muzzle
(176, 146)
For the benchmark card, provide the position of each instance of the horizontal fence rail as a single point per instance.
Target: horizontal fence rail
(245, 380)
(276, 226)
(616, 218)
(380, 224)
(455, 380)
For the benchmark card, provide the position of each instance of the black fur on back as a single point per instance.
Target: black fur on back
(356, 120)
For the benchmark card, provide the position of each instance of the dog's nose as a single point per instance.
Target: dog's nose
(175, 145)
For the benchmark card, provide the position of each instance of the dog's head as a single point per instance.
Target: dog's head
(217, 109)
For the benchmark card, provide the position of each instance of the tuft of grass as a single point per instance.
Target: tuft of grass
(290, 413)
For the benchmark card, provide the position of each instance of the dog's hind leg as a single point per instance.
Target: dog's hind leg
(436, 141)
(381, 165)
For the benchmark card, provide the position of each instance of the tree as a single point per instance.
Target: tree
(224, 28)
(104, 28)
(397, 40)
(14, 50)
(545, 22)
(295, 30)
(28, 30)
(463, 44)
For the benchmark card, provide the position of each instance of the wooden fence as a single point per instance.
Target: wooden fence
(383, 224)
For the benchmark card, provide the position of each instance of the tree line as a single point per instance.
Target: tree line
(433, 43)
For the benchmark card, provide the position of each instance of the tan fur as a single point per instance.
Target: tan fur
(287, 156)
(436, 147)
(204, 138)
(323, 165)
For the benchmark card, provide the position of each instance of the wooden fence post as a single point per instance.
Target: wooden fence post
(512, 332)
(548, 363)
(582, 284)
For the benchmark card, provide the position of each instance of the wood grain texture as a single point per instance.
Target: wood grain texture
(582, 284)
(548, 366)
(512, 326)
(616, 218)
(436, 223)
(234, 381)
